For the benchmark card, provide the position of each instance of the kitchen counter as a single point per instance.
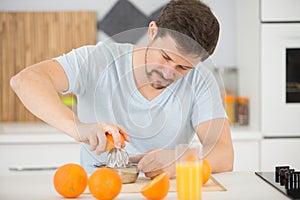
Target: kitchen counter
(26, 144)
(12, 133)
(43, 133)
(39, 186)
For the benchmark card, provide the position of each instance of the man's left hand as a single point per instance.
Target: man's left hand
(155, 162)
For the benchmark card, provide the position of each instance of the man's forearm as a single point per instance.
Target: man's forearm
(220, 157)
(215, 136)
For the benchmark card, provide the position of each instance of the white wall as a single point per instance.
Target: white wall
(248, 56)
(225, 54)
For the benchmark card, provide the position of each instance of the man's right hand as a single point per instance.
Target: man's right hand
(94, 134)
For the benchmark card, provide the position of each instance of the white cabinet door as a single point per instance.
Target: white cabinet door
(246, 155)
(280, 10)
(276, 152)
(32, 155)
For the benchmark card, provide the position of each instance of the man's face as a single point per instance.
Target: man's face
(164, 63)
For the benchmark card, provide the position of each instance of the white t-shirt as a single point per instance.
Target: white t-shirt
(101, 77)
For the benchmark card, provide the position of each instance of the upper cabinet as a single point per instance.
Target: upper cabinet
(280, 10)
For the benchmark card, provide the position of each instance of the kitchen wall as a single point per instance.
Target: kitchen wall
(225, 54)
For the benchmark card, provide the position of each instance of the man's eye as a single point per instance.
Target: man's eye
(183, 67)
(165, 57)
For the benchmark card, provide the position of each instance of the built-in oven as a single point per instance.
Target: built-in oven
(292, 75)
(280, 67)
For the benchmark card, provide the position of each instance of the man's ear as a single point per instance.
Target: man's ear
(152, 31)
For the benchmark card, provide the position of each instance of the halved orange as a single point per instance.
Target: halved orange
(110, 141)
(157, 188)
(206, 171)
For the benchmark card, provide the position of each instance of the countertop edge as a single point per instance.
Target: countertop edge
(43, 133)
(32, 133)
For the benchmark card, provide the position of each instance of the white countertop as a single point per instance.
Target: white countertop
(39, 186)
(43, 133)
(32, 133)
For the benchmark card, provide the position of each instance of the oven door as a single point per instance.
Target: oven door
(280, 77)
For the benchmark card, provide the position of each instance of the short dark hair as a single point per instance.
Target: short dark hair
(194, 19)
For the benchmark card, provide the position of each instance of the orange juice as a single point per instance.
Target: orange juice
(189, 180)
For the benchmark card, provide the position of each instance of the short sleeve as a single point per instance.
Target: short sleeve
(208, 103)
(82, 66)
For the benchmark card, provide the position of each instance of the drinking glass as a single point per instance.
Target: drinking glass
(189, 171)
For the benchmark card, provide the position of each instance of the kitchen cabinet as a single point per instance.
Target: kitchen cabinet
(246, 145)
(280, 151)
(278, 10)
(246, 155)
(37, 155)
(35, 146)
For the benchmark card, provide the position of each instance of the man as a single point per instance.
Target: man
(156, 96)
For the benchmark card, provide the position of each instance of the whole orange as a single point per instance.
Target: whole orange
(105, 184)
(206, 171)
(70, 180)
(157, 188)
(110, 141)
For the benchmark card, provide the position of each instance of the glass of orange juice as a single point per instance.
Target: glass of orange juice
(188, 171)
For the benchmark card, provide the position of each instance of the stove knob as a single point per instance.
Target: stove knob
(277, 170)
(295, 180)
(282, 175)
(288, 180)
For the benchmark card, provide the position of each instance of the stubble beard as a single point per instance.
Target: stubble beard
(156, 84)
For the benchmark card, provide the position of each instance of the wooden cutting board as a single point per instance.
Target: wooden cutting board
(211, 185)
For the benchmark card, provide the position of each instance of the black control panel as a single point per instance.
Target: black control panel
(285, 179)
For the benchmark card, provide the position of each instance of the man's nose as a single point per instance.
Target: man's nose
(169, 71)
